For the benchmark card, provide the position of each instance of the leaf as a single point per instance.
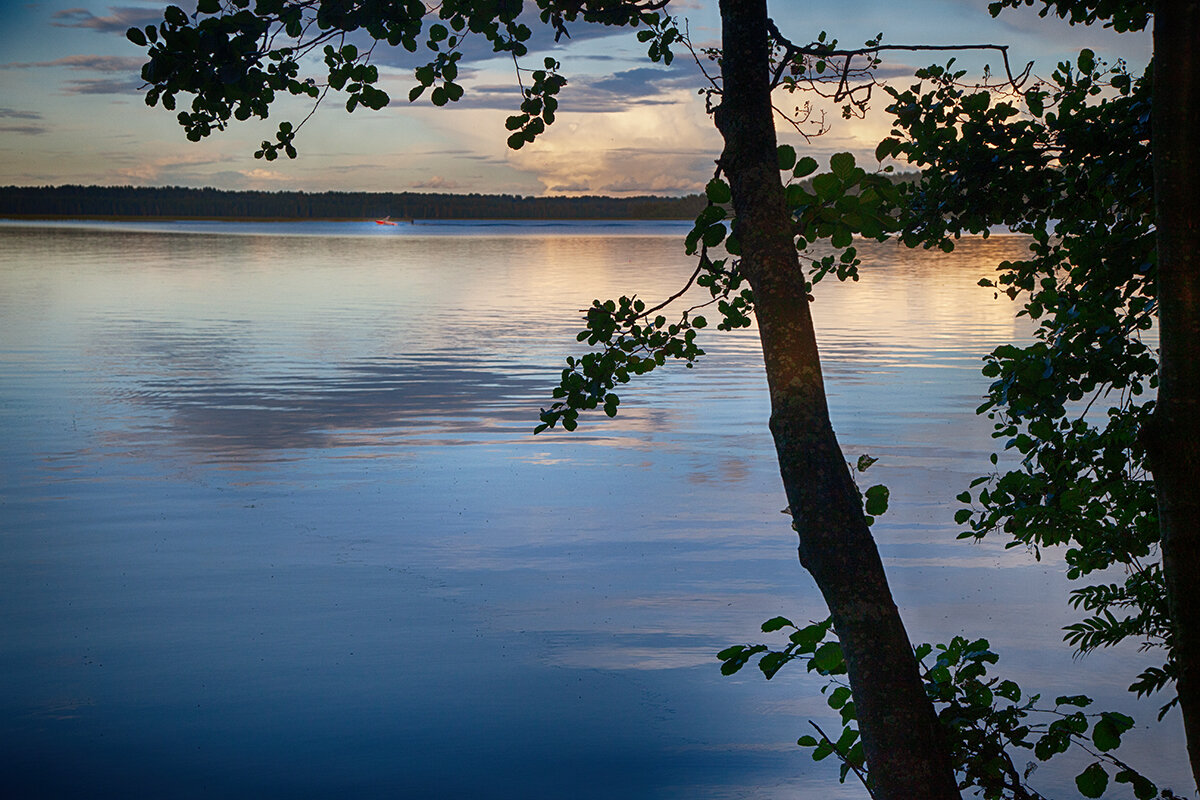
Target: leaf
(1106, 734)
(865, 461)
(136, 36)
(1092, 781)
(771, 662)
(714, 234)
(827, 186)
(828, 660)
(1121, 721)
(1143, 788)
(776, 623)
(717, 191)
(842, 164)
(735, 657)
(787, 156)
(877, 500)
(1087, 61)
(805, 167)
(208, 6)
(807, 638)
(1009, 690)
(1034, 99)
(886, 149)
(731, 667)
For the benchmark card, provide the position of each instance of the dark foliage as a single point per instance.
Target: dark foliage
(179, 203)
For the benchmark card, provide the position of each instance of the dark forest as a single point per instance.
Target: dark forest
(175, 202)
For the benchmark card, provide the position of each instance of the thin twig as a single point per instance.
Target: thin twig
(856, 769)
(699, 268)
(687, 42)
(517, 66)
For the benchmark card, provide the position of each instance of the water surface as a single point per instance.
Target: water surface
(274, 523)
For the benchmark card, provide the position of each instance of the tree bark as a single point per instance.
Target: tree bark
(905, 753)
(1175, 438)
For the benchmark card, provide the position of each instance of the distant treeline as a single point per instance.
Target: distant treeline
(177, 202)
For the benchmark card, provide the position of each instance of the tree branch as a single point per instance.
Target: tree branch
(817, 50)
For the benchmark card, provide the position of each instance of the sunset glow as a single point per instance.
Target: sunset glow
(72, 111)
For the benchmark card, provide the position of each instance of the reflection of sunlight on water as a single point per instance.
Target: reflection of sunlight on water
(234, 461)
(650, 657)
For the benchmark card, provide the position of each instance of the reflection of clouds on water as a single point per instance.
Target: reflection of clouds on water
(357, 405)
(723, 471)
(224, 391)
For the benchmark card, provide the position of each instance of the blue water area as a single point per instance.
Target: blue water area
(274, 522)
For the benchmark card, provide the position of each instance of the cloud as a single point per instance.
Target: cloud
(12, 113)
(663, 148)
(662, 183)
(94, 63)
(603, 93)
(127, 66)
(437, 182)
(640, 85)
(25, 130)
(103, 86)
(570, 188)
(259, 174)
(120, 18)
(169, 169)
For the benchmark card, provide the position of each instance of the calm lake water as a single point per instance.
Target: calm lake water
(274, 523)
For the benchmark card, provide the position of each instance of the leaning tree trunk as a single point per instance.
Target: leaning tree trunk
(905, 753)
(1175, 439)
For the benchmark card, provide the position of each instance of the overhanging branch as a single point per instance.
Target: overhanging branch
(793, 51)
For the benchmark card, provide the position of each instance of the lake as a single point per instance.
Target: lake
(275, 525)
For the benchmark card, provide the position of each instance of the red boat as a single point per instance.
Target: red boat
(384, 221)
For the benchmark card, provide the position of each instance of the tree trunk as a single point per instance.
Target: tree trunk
(1175, 439)
(905, 753)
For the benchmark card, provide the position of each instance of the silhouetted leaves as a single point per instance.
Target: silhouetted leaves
(989, 722)
(235, 61)
(1073, 172)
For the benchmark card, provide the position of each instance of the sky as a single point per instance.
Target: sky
(71, 110)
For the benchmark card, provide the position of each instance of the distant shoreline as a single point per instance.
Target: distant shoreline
(162, 218)
(175, 203)
(399, 222)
